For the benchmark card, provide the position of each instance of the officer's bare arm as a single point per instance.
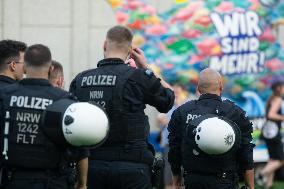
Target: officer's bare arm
(249, 178)
(274, 108)
(141, 62)
(82, 168)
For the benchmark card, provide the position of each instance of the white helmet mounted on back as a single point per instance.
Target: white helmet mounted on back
(67, 122)
(85, 124)
(216, 135)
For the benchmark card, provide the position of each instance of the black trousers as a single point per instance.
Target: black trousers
(118, 175)
(37, 180)
(200, 181)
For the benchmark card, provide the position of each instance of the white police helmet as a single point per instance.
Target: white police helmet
(85, 124)
(215, 136)
(68, 122)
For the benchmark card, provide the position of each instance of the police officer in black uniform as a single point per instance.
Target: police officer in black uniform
(203, 171)
(32, 160)
(124, 160)
(11, 61)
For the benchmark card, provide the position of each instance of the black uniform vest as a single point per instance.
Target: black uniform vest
(277, 122)
(27, 145)
(194, 160)
(105, 86)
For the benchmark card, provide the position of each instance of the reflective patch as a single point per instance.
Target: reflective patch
(149, 72)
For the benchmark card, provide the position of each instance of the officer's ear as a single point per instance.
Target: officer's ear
(105, 45)
(221, 86)
(12, 66)
(25, 69)
(60, 82)
(51, 68)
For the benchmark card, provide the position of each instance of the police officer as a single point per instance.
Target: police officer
(123, 160)
(56, 75)
(202, 170)
(11, 61)
(32, 160)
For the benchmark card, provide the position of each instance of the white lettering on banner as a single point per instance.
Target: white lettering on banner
(236, 24)
(239, 43)
(238, 63)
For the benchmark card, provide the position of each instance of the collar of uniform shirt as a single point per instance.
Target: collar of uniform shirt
(7, 79)
(35, 81)
(110, 61)
(210, 96)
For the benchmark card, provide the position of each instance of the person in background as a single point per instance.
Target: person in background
(11, 61)
(181, 96)
(56, 75)
(274, 145)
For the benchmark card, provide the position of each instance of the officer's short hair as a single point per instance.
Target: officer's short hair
(57, 70)
(120, 35)
(10, 50)
(37, 55)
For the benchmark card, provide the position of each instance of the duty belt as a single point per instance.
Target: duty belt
(29, 174)
(133, 155)
(221, 175)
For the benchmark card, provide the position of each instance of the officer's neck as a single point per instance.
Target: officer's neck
(8, 74)
(218, 93)
(121, 56)
(36, 75)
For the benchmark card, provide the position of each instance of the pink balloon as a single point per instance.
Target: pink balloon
(157, 29)
(225, 7)
(148, 9)
(267, 36)
(168, 66)
(274, 64)
(191, 34)
(205, 47)
(195, 59)
(133, 4)
(203, 21)
(121, 17)
(187, 12)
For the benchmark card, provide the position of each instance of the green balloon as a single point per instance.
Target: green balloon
(182, 46)
(263, 45)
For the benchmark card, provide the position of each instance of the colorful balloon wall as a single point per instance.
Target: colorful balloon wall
(235, 37)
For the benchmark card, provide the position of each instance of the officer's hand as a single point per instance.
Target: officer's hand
(80, 186)
(177, 182)
(139, 58)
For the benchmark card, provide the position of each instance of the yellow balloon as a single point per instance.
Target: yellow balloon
(155, 69)
(202, 12)
(216, 50)
(181, 1)
(153, 20)
(138, 40)
(115, 3)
